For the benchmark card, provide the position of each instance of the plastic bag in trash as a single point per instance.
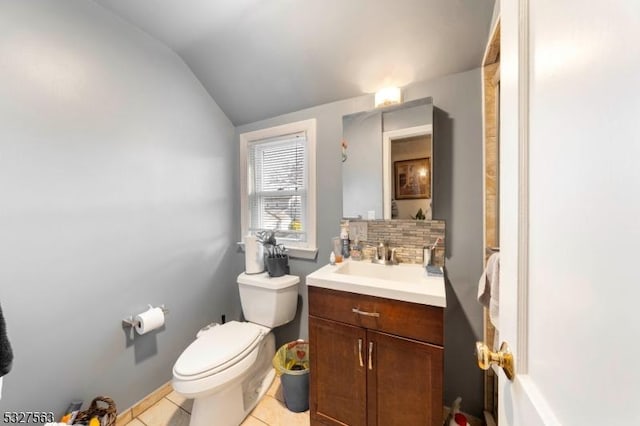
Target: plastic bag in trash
(292, 358)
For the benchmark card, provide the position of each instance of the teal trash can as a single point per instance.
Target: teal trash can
(291, 362)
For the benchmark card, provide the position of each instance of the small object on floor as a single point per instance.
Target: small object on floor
(460, 420)
(456, 418)
(72, 412)
(102, 410)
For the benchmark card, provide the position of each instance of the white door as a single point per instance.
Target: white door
(570, 211)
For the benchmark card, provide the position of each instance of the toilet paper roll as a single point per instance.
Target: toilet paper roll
(149, 320)
(253, 255)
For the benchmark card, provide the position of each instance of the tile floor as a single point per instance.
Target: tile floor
(174, 410)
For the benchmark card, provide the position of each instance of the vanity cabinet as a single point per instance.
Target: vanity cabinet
(374, 361)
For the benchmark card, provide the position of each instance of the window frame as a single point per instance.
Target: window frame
(306, 250)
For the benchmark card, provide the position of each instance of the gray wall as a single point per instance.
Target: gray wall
(117, 189)
(496, 15)
(458, 148)
(411, 114)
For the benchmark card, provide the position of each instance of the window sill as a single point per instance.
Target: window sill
(295, 252)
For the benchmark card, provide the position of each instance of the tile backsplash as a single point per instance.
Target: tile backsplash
(407, 236)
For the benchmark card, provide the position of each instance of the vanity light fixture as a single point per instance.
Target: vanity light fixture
(388, 96)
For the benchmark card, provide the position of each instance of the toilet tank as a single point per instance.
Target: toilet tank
(268, 301)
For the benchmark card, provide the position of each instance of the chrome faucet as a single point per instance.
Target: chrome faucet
(384, 255)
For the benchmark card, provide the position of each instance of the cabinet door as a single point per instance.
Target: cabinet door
(338, 375)
(404, 381)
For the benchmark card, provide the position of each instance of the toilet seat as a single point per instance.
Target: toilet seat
(217, 349)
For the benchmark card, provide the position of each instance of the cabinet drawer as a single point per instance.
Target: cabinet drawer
(413, 320)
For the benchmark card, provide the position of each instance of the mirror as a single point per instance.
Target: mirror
(387, 169)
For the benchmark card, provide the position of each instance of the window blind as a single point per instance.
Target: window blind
(277, 180)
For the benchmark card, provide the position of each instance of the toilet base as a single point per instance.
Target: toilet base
(230, 405)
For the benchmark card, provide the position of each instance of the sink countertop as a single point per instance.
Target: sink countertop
(406, 282)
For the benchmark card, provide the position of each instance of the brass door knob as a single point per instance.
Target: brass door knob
(503, 358)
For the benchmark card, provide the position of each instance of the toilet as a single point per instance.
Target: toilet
(227, 369)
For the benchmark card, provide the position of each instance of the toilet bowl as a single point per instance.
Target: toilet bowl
(227, 369)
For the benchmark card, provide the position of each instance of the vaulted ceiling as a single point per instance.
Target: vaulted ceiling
(263, 58)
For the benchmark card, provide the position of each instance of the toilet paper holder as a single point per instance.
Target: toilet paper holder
(131, 323)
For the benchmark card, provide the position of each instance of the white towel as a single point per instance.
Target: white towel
(489, 289)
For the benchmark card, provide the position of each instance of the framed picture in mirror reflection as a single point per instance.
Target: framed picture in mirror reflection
(412, 178)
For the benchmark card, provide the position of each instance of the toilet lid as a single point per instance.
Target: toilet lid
(218, 348)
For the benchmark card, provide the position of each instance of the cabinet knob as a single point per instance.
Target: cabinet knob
(370, 355)
(360, 352)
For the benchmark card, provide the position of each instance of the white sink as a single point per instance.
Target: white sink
(407, 282)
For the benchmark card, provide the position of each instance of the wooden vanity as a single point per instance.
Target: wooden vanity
(374, 360)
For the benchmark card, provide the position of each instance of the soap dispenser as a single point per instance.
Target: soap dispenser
(344, 239)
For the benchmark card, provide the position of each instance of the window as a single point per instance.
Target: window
(277, 167)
